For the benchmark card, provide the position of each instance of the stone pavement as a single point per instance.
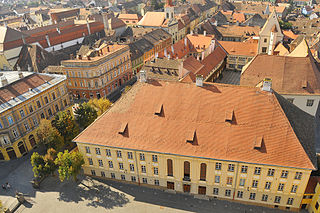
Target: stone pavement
(229, 77)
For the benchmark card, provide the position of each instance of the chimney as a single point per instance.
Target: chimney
(267, 85)
(199, 80)
(88, 26)
(4, 81)
(143, 76)
(20, 74)
(80, 57)
(205, 33)
(48, 41)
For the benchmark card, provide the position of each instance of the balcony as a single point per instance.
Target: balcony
(186, 178)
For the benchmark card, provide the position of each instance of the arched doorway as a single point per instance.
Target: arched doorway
(11, 153)
(22, 148)
(32, 141)
(1, 156)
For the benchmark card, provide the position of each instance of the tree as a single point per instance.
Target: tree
(85, 114)
(49, 135)
(66, 125)
(69, 164)
(101, 105)
(40, 167)
(285, 25)
(49, 159)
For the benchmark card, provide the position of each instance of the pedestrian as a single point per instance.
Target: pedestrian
(4, 187)
(8, 186)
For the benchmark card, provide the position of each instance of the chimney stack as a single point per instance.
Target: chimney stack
(267, 85)
(4, 81)
(20, 75)
(205, 33)
(199, 80)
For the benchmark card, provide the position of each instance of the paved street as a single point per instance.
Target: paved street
(229, 77)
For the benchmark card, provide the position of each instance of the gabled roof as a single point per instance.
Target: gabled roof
(188, 108)
(271, 23)
(8, 34)
(282, 51)
(152, 19)
(240, 48)
(302, 50)
(199, 41)
(288, 74)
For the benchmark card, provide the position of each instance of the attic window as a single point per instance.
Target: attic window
(258, 142)
(229, 116)
(159, 111)
(192, 138)
(123, 129)
(304, 84)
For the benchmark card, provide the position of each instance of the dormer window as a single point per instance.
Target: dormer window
(258, 142)
(159, 111)
(123, 129)
(192, 138)
(229, 116)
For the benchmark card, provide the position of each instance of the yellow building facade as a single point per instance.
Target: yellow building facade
(314, 205)
(29, 98)
(264, 185)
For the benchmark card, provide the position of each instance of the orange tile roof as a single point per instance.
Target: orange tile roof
(238, 17)
(128, 16)
(152, 19)
(200, 41)
(240, 48)
(234, 30)
(188, 108)
(289, 34)
(288, 74)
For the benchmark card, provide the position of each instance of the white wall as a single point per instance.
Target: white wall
(301, 102)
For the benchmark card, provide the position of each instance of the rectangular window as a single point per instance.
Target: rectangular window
(123, 177)
(154, 158)
(156, 182)
(90, 161)
(264, 198)
(93, 172)
(284, 174)
(38, 104)
(119, 154)
(53, 96)
(15, 133)
(145, 180)
(103, 174)
(240, 194)
(113, 176)
(155, 170)
(215, 191)
(290, 201)
(298, 176)
(131, 167)
(268, 185)
(217, 179)
(310, 102)
(30, 108)
(130, 155)
(35, 121)
(277, 199)
(169, 167)
(231, 167)
(254, 184)
(133, 179)
(26, 126)
(46, 100)
(257, 171)
(317, 205)
(280, 187)
(229, 180)
(22, 113)
(142, 158)
(121, 166)
(110, 164)
(108, 152)
(242, 182)
(100, 163)
(294, 188)
(270, 172)
(227, 193)
(252, 196)
(290, 100)
(264, 49)
(10, 120)
(143, 169)
(98, 151)
(218, 166)
(244, 169)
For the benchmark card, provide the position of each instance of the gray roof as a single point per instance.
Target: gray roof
(304, 126)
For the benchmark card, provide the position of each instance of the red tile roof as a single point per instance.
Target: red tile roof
(240, 48)
(190, 108)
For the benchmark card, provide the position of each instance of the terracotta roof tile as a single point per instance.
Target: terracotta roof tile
(188, 108)
(240, 48)
(152, 19)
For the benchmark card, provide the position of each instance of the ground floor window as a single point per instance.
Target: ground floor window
(202, 190)
(93, 172)
(170, 185)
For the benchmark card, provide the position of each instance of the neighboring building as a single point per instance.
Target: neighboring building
(270, 35)
(99, 72)
(130, 19)
(26, 98)
(302, 3)
(239, 53)
(235, 32)
(311, 195)
(61, 15)
(206, 141)
(295, 78)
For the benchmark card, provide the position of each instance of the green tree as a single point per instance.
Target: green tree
(69, 164)
(85, 114)
(39, 167)
(49, 159)
(66, 125)
(285, 25)
(101, 105)
(49, 135)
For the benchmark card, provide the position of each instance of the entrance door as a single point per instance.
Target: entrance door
(21, 147)
(170, 185)
(202, 190)
(11, 153)
(303, 206)
(32, 141)
(186, 188)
